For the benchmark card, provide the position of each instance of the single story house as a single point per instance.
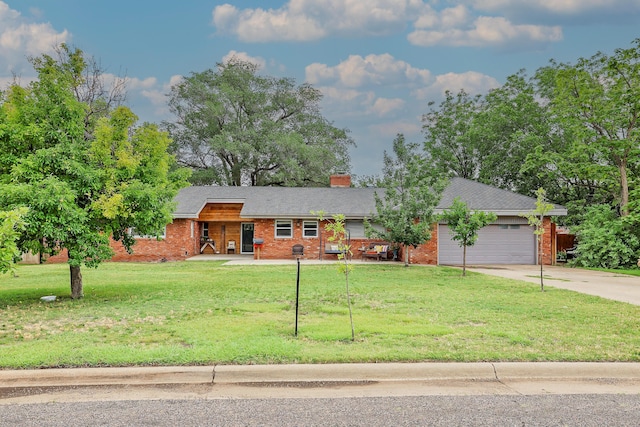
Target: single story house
(266, 222)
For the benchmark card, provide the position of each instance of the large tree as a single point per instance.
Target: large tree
(412, 190)
(510, 125)
(234, 126)
(597, 103)
(84, 181)
(447, 144)
(487, 138)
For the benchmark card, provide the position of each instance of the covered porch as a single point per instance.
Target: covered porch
(221, 231)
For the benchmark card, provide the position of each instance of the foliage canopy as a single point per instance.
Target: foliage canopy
(405, 211)
(234, 126)
(83, 181)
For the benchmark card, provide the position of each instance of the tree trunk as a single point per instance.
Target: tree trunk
(540, 261)
(624, 189)
(406, 255)
(464, 260)
(76, 282)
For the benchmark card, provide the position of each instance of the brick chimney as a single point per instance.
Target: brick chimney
(340, 181)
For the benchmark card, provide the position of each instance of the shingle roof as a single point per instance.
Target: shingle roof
(486, 198)
(287, 202)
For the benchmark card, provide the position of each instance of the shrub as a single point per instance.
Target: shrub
(606, 240)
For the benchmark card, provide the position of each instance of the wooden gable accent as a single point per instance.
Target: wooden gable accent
(221, 212)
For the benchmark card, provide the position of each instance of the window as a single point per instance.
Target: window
(509, 226)
(284, 228)
(356, 228)
(310, 229)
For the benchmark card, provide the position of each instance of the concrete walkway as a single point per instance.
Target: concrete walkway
(618, 287)
(317, 381)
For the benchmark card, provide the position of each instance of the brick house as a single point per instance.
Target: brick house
(265, 222)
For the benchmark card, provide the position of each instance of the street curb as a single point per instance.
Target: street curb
(335, 373)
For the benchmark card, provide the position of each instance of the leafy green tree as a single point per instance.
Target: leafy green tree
(535, 218)
(487, 138)
(11, 223)
(596, 102)
(511, 124)
(447, 144)
(412, 190)
(464, 225)
(236, 127)
(82, 184)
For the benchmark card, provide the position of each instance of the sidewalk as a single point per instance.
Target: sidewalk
(328, 380)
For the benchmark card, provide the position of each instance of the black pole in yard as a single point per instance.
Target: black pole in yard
(297, 295)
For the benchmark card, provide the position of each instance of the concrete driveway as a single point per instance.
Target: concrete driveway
(618, 287)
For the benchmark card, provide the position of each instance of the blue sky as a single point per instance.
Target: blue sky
(377, 62)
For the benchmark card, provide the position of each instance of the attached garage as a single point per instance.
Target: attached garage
(506, 243)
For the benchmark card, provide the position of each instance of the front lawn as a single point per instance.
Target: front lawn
(188, 313)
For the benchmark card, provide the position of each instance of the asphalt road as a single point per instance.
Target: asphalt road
(539, 410)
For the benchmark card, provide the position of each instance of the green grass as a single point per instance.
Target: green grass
(627, 271)
(190, 313)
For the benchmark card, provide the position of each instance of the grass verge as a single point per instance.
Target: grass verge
(190, 313)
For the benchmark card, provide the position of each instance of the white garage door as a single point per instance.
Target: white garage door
(496, 244)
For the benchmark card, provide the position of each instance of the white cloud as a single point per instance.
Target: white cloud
(245, 57)
(357, 71)
(561, 7)
(390, 129)
(20, 38)
(134, 83)
(359, 86)
(155, 93)
(304, 20)
(457, 27)
(384, 106)
(259, 25)
(174, 80)
(460, 25)
(157, 98)
(472, 82)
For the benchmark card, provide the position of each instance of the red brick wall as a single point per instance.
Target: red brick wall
(549, 242)
(176, 245)
(280, 248)
(427, 253)
(179, 244)
(314, 247)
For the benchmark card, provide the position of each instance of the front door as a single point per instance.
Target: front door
(247, 238)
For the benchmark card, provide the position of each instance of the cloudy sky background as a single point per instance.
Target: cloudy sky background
(377, 62)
